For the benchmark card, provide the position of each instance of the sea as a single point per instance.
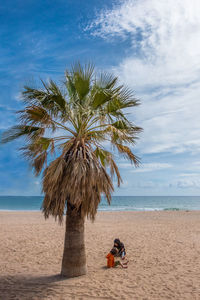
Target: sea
(118, 203)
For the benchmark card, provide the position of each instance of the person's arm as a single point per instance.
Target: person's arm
(122, 251)
(122, 247)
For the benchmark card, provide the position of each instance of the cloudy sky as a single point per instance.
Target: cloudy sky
(154, 48)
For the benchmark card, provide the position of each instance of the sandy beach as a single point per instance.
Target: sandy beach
(163, 249)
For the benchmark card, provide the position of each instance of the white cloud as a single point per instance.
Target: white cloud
(152, 167)
(125, 165)
(146, 167)
(149, 166)
(163, 67)
(146, 184)
(186, 180)
(197, 175)
(187, 183)
(171, 123)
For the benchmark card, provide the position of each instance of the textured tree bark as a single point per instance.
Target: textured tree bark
(74, 256)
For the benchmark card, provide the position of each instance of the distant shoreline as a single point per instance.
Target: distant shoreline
(109, 211)
(118, 203)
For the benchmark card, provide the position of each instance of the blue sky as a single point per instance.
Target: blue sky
(152, 46)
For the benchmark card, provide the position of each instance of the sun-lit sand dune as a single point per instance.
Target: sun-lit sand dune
(163, 249)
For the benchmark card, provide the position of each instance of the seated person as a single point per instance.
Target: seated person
(120, 247)
(111, 263)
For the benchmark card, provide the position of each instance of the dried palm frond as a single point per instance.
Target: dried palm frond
(78, 177)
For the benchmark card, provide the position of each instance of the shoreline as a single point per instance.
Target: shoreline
(118, 203)
(112, 210)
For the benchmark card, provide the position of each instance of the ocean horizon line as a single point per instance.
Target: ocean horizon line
(112, 210)
(118, 203)
(112, 196)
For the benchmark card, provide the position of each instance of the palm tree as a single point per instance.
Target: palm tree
(75, 122)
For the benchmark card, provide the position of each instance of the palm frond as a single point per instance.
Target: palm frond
(32, 96)
(50, 97)
(53, 99)
(37, 151)
(79, 80)
(36, 115)
(126, 151)
(39, 162)
(31, 132)
(78, 167)
(103, 90)
(106, 81)
(100, 97)
(106, 158)
(118, 103)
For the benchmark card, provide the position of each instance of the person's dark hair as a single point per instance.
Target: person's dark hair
(117, 241)
(113, 251)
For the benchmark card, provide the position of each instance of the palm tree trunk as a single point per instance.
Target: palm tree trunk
(74, 257)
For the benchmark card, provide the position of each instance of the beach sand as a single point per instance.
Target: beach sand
(163, 249)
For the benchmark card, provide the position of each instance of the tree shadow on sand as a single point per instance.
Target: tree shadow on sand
(31, 287)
